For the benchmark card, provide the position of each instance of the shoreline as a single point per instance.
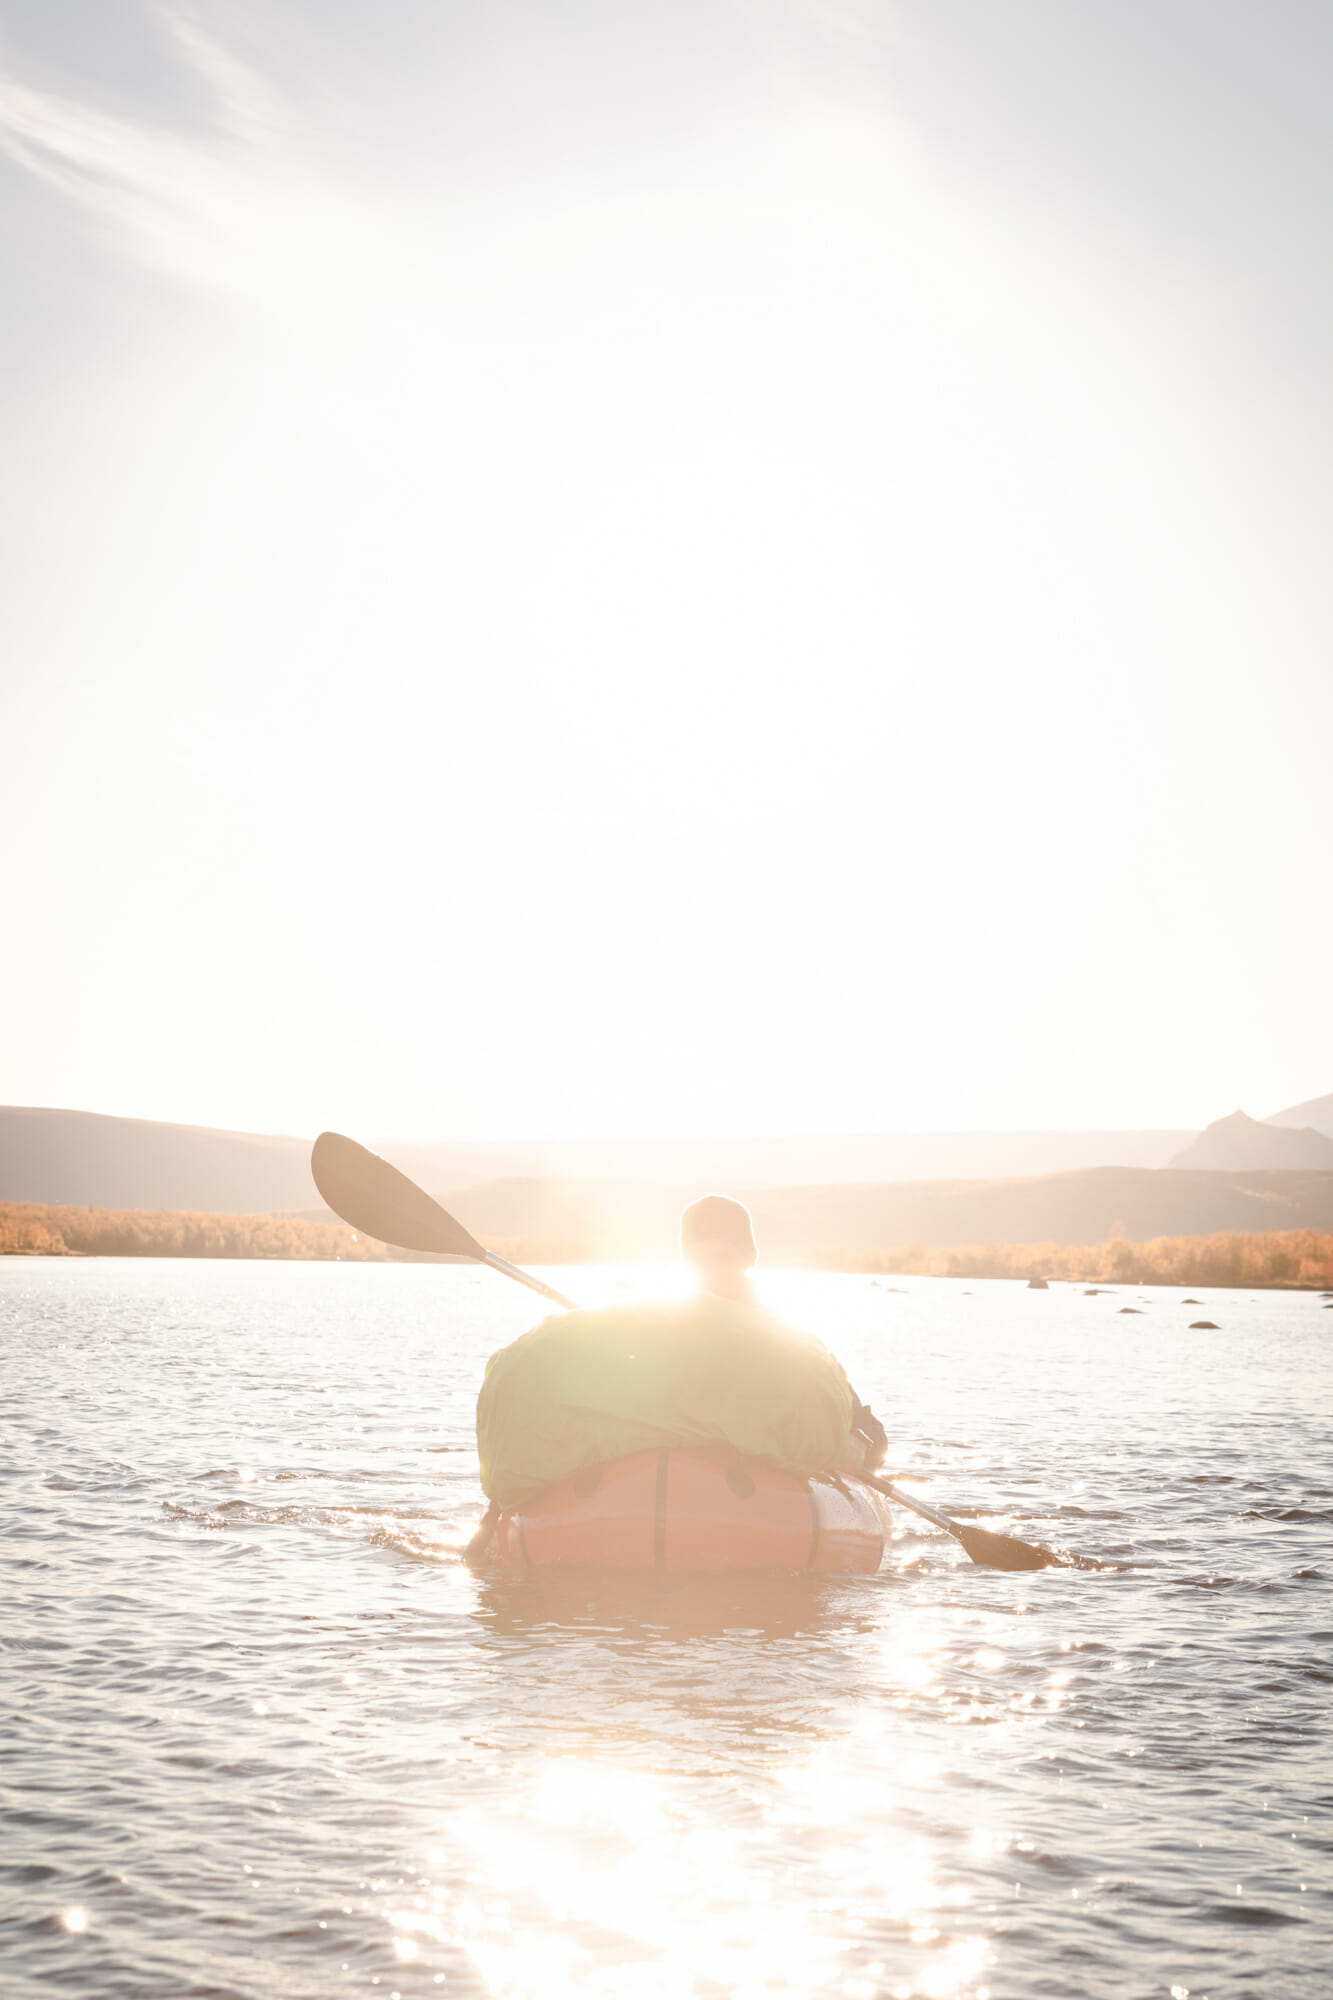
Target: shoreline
(1311, 1288)
(1277, 1260)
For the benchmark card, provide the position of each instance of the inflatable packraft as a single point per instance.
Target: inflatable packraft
(687, 1510)
(583, 1389)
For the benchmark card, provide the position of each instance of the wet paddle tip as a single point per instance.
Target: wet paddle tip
(994, 1551)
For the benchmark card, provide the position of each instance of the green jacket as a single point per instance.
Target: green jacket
(584, 1387)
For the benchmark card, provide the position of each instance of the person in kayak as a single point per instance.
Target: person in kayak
(586, 1387)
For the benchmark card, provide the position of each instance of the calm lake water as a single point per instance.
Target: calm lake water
(264, 1736)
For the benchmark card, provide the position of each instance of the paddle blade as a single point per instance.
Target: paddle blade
(994, 1551)
(379, 1201)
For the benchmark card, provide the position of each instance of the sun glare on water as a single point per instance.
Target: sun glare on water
(598, 1879)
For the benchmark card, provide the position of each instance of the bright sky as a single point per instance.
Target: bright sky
(674, 566)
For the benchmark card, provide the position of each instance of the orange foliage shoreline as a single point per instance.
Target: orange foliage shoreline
(1292, 1259)
(1284, 1259)
(29, 1229)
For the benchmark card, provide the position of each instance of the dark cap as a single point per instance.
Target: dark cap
(717, 1223)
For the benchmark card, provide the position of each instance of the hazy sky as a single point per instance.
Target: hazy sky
(666, 565)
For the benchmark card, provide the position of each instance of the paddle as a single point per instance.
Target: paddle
(380, 1201)
(990, 1550)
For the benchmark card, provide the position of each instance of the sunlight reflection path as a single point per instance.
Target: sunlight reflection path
(601, 1879)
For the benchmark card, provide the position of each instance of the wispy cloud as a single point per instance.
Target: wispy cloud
(200, 204)
(247, 106)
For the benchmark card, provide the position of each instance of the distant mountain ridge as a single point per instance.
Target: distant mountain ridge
(606, 1221)
(807, 1159)
(1316, 1112)
(1239, 1144)
(89, 1159)
(86, 1158)
(83, 1159)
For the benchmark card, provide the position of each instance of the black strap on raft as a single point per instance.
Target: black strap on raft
(660, 1511)
(814, 1523)
(738, 1474)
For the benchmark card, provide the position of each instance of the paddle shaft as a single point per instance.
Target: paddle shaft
(895, 1493)
(983, 1545)
(526, 1278)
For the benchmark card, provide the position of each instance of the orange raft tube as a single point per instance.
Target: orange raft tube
(684, 1510)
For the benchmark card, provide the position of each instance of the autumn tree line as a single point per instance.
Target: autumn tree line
(27, 1228)
(1291, 1259)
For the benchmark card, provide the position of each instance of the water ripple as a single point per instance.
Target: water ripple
(265, 1738)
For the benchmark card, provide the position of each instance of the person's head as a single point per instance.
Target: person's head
(717, 1237)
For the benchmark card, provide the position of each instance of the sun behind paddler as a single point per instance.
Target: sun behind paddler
(583, 1388)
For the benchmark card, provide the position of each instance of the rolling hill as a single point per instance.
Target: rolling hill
(82, 1159)
(1316, 1111)
(624, 1219)
(86, 1158)
(1241, 1144)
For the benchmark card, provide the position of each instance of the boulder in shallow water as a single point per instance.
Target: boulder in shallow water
(1204, 1326)
(1131, 1309)
(1038, 1285)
